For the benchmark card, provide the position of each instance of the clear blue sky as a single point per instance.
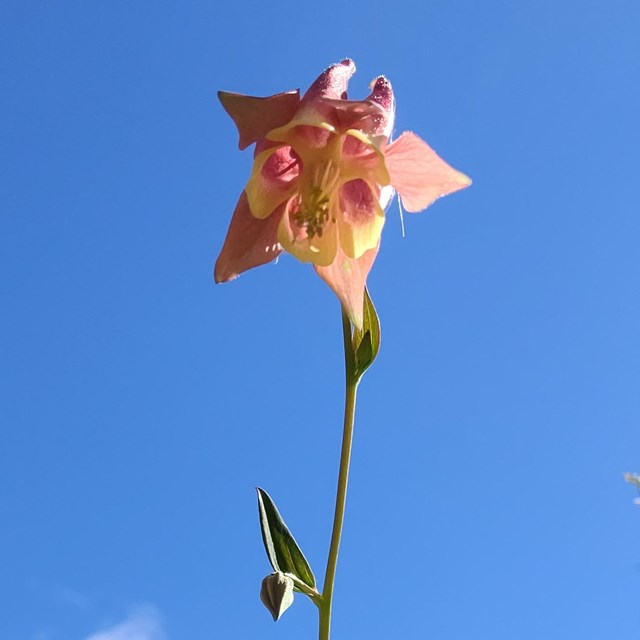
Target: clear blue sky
(140, 404)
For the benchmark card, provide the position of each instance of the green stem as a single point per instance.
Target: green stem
(343, 476)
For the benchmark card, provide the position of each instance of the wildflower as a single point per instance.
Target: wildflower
(324, 170)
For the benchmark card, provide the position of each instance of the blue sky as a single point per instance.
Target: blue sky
(140, 404)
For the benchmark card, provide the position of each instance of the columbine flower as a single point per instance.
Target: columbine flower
(323, 173)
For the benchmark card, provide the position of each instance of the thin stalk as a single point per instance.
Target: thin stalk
(351, 381)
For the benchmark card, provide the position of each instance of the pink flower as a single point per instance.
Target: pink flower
(323, 173)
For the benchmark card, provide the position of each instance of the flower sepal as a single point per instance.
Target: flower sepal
(365, 340)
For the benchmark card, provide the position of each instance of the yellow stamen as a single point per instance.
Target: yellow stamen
(314, 202)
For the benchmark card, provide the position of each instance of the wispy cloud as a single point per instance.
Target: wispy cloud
(142, 624)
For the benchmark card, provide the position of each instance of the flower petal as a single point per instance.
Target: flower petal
(255, 117)
(360, 220)
(361, 158)
(382, 94)
(273, 180)
(418, 174)
(347, 278)
(379, 123)
(249, 243)
(374, 115)
(318, 249)
(306, 136)
(332, 82)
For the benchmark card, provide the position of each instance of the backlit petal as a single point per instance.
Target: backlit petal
(249, 243)
(255, 117)
(418, 174)
(347, 278)
(306, 136)
(340, 115)
(375, 115)
(382, 94)
(319, 249)
(332, 82)
(362, 159)
(361, 220)
(273, 180)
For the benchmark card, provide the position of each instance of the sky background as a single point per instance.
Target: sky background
(140, 404)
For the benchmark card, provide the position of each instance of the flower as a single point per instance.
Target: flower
(324, 170)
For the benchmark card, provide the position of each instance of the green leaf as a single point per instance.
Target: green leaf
(366, 341)
(282, 550)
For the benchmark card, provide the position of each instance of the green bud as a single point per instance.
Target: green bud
(277, 594)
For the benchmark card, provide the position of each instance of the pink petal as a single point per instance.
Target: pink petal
(347, 277)
(273, 180)
(305, 138)
(339, 115)
(361, 158)
(249, 243)
(373, 116)
(255, 117)
(364, 115)
(332, 82)
(418, 174)
(362, 219)
(382, 94)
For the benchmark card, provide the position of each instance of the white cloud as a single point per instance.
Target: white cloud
(142, 624)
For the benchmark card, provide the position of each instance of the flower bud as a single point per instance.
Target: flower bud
(276, 594)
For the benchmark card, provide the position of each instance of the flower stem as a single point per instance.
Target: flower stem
(351, 380)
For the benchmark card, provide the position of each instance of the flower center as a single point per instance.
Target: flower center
(313, 206)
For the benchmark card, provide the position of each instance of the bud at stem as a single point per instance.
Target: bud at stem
(276, 594)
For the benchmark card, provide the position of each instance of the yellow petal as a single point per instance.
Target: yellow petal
(361, 158)
(299, 130)
(319, 249)
(273, 180)
(360, 220)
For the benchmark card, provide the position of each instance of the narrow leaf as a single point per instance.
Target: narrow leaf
(366, 341)
(282, 550)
